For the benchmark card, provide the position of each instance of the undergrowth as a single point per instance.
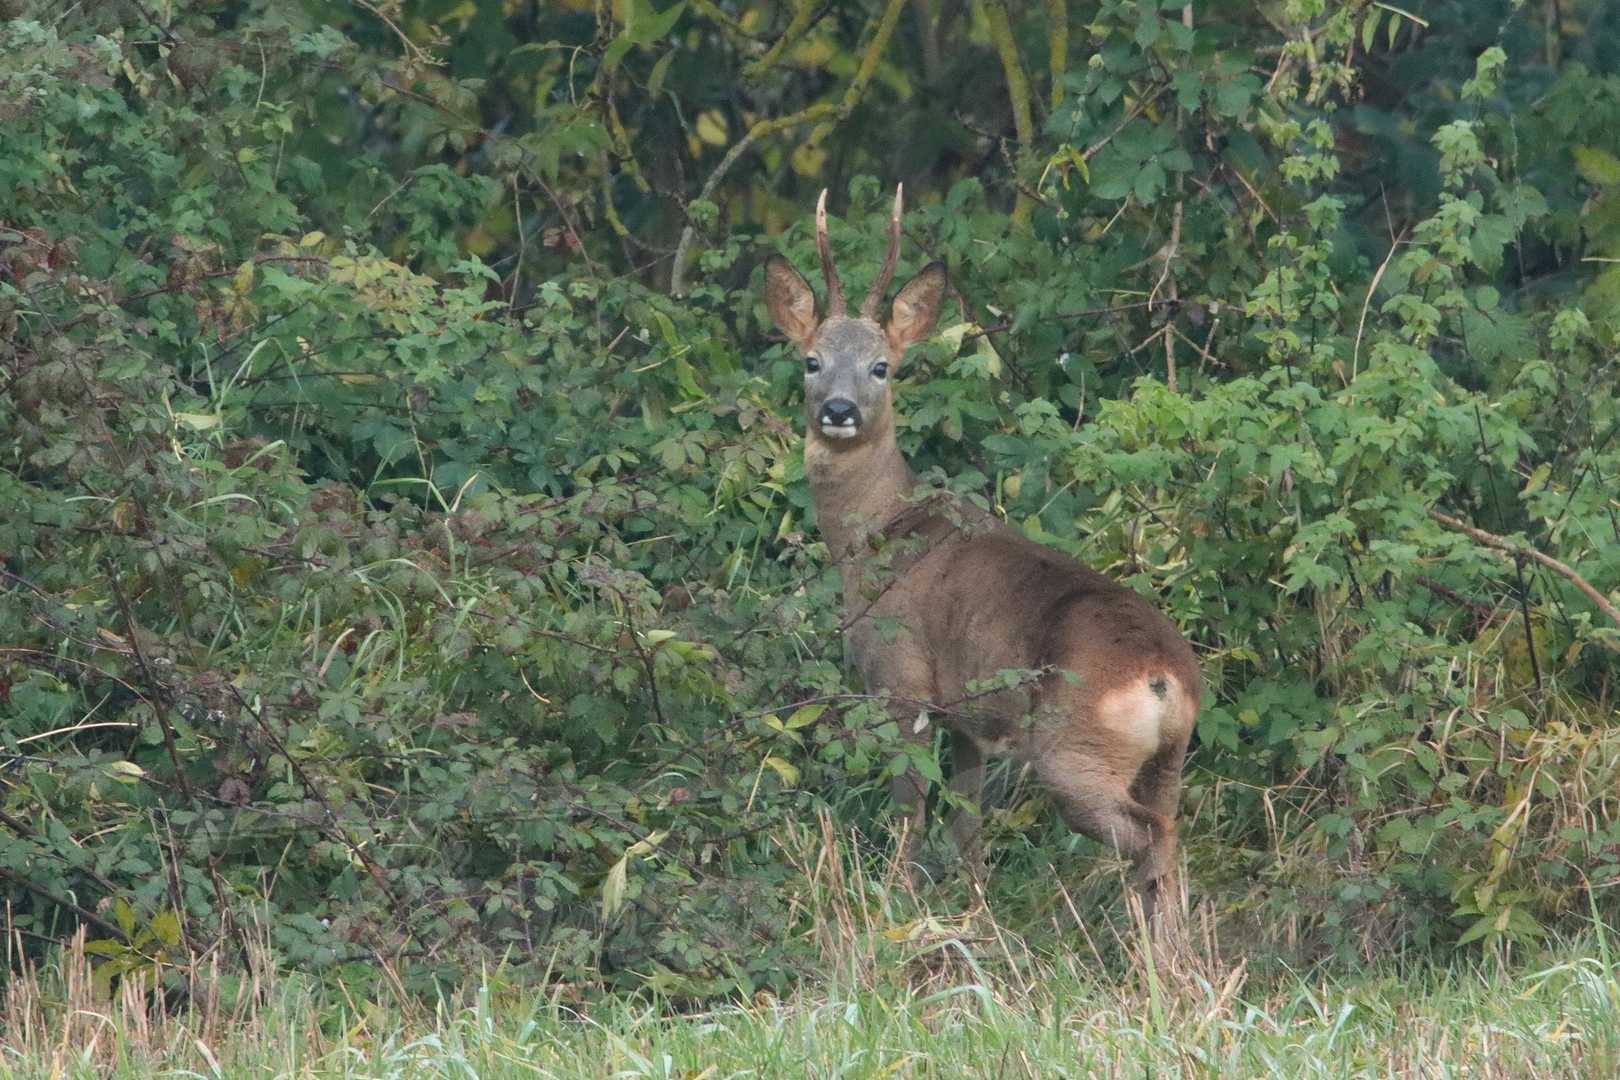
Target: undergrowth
(898, 986)
(405, 561)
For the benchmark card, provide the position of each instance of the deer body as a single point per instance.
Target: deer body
(939, 595)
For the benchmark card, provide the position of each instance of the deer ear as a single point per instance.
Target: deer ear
(791, 303)
(916, 307)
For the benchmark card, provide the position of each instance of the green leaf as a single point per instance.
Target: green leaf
(1369, 28)
(125, 916)
(1149, 183)
(166, 927)
(1148, 27)
(1482, 926)
(655, 81)
(616, 50)
(647, 26)
(804, 716)
(1111, 175)
(1234, 96)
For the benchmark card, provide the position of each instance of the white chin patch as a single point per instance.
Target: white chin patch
(834, 431)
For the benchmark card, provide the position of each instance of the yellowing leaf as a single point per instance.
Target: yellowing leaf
(1596, 166)
(785, 769)
(808, 160)
(953, 335)
(618, 875)
(198, 421)
(815, 52)
(613, 887)
(311, 239)
(126, 772)
(242, 283)
(805, 716)
(711, 127)
(992, 359)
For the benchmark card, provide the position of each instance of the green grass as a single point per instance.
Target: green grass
(1560, 1019)
(899, 991)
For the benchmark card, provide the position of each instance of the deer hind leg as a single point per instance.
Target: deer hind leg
(1158, 787)
(910, 793)
(967, 782)
(1095, 799)
(909, 685)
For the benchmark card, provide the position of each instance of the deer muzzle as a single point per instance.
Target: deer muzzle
(840, 418)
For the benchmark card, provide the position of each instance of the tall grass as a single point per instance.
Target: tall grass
(903, 988)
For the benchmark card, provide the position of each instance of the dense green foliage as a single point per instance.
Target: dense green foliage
(404, 540)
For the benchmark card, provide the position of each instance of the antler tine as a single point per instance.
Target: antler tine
(885, 275)
(835, 288)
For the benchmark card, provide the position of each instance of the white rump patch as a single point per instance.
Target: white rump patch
(1136, 714)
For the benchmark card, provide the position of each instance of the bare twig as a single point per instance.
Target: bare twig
(335, 827)
(159, 708)
(61, 901)
(824, 112)
(733, 29)
(1203, 352)
(805, 15)
(1175, 294)
(1361, 323)
(863, 73)
(567, 220)
(683, 249)
(412, 49)
(1517, 550)
(1111, 309)
(1480, 609)
(1130, 114)
(646, 658)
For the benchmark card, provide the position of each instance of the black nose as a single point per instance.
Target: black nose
(840, 411)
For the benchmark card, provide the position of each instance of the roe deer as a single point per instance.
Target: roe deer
(938, 593)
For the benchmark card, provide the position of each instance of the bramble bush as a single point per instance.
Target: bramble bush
(406, 546)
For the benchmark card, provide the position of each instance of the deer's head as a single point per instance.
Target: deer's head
(849, 360)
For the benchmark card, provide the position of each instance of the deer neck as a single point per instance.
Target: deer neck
(858, 490)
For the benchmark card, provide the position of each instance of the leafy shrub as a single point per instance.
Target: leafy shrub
(393, 559)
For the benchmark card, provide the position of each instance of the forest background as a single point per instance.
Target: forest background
(405, 553)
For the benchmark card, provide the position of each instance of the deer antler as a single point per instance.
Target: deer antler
(835, 288)
(881, 285)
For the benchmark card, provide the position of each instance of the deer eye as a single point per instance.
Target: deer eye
(812, 364)
(880, 370)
